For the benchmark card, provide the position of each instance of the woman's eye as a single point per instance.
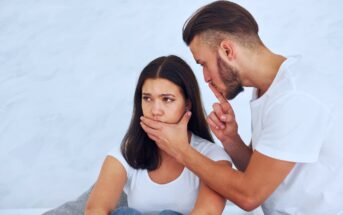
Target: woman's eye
(146, 98)
(168, 100)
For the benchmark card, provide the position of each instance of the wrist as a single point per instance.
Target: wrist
(183, 153)
(234, 140)
(232, 143)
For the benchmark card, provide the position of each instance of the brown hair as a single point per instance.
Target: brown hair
(222, 18)
(137, 148)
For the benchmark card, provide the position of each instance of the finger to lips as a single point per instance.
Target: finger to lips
(225, 104)
(217, 94)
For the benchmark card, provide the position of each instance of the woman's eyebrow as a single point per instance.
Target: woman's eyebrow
(161, 95)
(167, 94)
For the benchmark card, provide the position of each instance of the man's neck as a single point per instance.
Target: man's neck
(264, 68)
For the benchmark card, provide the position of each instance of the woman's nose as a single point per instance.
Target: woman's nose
(156, 109)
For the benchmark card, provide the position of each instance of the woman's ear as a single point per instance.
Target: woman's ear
(188, 105)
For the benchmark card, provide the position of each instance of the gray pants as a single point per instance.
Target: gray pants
(77, 207)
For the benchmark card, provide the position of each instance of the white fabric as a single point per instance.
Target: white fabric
(299, 119)
(179, 195)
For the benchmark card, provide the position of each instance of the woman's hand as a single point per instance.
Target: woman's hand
(171, 138)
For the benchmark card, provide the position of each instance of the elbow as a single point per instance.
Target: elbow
(213, 211)
(249, 203)
(91, 210)
(206, 211)
(214, 208)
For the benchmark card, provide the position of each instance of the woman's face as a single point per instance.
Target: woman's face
(162, 100)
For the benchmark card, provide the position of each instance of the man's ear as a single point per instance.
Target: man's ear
(226, 49)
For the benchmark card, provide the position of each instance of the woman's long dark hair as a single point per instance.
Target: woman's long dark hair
(137, 148)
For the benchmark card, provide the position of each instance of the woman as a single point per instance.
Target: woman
(154, 182)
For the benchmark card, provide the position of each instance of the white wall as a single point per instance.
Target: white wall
(68, 69)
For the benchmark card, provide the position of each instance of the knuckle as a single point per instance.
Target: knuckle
(215, 106)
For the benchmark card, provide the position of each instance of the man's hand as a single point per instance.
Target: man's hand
(222, 120)
(171, 138)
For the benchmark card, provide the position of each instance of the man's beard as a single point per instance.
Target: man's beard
(231, 79)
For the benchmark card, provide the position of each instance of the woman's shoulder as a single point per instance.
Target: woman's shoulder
(117, 154)
(201, 144)
(209, 149)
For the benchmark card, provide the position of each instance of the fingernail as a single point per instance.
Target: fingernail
(223, 118)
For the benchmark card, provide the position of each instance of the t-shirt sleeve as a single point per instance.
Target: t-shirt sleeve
(116, 153)
(216, 153)
(293, 129)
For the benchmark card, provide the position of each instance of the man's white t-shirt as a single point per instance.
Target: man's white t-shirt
(179, 195)
(299, 119)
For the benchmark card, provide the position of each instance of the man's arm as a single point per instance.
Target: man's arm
(247, 189)
(223, 124)
(239, 153)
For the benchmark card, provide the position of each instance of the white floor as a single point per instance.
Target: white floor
(30, 211)
(229, 210)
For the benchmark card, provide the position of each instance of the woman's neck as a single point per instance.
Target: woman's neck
(165, 157)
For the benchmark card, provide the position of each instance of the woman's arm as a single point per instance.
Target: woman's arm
(209, 202)
(107, 189)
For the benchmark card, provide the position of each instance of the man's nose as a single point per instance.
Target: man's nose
(207, 77)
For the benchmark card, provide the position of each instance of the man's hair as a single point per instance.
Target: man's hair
(222, 19)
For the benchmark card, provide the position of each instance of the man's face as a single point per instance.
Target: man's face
(216, 71)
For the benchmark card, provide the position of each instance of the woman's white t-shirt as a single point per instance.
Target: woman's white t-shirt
(179, 195)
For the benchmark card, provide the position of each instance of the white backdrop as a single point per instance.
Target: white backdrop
(68, 69)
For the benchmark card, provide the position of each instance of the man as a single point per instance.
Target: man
(294, 165)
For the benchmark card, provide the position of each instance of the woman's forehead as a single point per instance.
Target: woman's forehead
(160, 85)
